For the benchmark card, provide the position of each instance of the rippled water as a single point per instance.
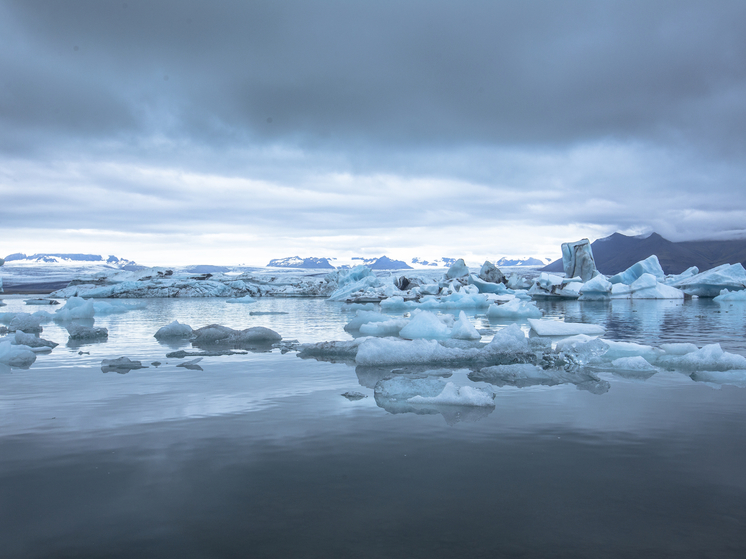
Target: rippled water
(259, 455)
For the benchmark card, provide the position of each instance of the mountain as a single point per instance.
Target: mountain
(298, 262)
(529, 261)
(617, 252)
(72, 259)
(443, 262)
(386, 263)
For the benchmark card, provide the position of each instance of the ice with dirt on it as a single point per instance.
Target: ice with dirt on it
(245, 299)
(650, 265)
(712, 282)
(174, 330)
(453, 395)
(547, 327)
(16, 355)
(514, 308)
(34, 342)
(577, 260)
(80, 332)
(550, 286)
(217, 334)
(121, 365)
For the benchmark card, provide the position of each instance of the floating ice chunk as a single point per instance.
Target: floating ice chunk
(121, 365)
(23, 338)
(518, 282)
(16, 355)
(678, 349)
(174, 330)
(630, 349)
(453, 395)
(390, 327)
(29, 323)
(464, 330)
(343, 349)
(728, 297)
(362, 306)
(217, 334)
(712, 282)
(648, 266)
(245, 299)
(636, 363)
(80, 332)
(41, 302)
(488, 287)
(365, 317)
(508, 340)
(354, 396)
(547, 327)
(551, 286)
(391, 351)
(577, 260)
(75, 308)
(425, 325)
(597, 288)
(648, 287)
(736, 377)
(513, 374)
(405, 387)
(491, 274)
(709, 358)
(116, 307)
(514, 309)
(457, 270)
(192, 365)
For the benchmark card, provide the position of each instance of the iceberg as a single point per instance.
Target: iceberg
(598, 288)
(215, 334)
(645, 287)
(712, 282)
(464, 330)
(548, 327)
(29, 340)
(174, 330)
(488, 287)
(709, 358)
(29, 323)
(491, 274)
(549, 286)
(636, 363)
(120, 365)
(514, 308)
(648, 266)
(457, 270)
(20, 356)
(425, 325)
(728, 297)
(80, 332)
(577, 260)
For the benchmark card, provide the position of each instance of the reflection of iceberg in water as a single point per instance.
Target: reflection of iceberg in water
(433, 394)
(525, 375)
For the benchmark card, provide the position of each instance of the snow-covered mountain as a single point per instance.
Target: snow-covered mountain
(73, 259)
(528, 261)
(298, 262)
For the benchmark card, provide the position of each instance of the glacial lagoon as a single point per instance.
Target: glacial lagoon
(259, 454)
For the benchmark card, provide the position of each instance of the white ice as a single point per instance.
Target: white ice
(650, 265)
(174, 330)
(547, 327)
(453, 395)
(514, 308)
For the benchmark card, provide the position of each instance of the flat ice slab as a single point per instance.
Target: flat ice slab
(546, 327)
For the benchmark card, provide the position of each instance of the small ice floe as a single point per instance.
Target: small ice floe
(354, 396)
(13, 355)
(727, 296)
(41, 302)
(217, 334)
(80, 332)
(709, 358)
(29, 323)
(192, 365)
(547, 327)
(453, 395)
(515, 308)
(245, 299)
(22, 338)
(174, 330)
(121, 365)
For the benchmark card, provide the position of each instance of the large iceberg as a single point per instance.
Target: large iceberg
(646, 286)
(711, 282)
(648, 266)
(549, 286)
(577, 260)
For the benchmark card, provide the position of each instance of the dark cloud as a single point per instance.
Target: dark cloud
(329, 73)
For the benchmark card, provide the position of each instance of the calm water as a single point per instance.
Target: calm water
(259, 455)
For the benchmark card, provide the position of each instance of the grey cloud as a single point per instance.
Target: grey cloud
(372, 74)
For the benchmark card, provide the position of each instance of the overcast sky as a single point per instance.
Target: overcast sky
(183, 132)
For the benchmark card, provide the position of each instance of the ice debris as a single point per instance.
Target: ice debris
(548, 327)
(20, 356)
(121, 365)
(80, 332)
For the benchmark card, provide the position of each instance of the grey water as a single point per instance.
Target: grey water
(260, 455)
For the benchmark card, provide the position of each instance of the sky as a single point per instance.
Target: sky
(233, 132)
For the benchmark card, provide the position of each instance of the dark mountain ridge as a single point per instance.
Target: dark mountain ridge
(617, 252)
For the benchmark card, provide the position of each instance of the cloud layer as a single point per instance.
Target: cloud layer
(335, 127)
